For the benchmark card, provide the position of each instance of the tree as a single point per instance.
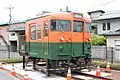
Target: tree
(98, 40)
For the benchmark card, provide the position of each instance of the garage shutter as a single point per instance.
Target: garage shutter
(117, 42)
(117, 50)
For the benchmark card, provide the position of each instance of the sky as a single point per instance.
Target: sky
(24, 9)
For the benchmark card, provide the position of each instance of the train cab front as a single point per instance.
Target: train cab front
(60, 39)
(67, 41)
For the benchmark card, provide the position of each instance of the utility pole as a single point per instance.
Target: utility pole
(10, 23)
(10, 16)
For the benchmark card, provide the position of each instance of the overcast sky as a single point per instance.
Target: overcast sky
(24, 9)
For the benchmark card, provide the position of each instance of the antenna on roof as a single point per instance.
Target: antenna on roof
(67, 10)
(60, 10)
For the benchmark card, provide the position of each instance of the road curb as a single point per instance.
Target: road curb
(18, 75)
(9, 74)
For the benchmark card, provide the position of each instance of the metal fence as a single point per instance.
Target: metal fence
(111, 54)
(5, 54)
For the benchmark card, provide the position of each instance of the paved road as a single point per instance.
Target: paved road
(5, 76)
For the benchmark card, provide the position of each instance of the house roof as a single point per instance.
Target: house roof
(5, 24)
(108, 16)
(96, 11)
(17, 22)
(113, 33)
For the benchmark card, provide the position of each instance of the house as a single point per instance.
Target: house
(94, 15)
(109, 25)
(16, 35)
(13, 34)
(4, 34)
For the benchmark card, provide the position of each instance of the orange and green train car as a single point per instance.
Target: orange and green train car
(63, 39)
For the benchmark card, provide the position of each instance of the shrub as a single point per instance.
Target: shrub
(18, 60)
(98, 40)
(102, 64)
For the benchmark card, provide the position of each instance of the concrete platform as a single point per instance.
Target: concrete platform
(34, 75)
(103, 74)
(83, 77)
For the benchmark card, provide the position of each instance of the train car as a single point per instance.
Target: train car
(61, 39)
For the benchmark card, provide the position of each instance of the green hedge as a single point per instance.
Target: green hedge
(98, 40)
(102, 64)
(18, 60)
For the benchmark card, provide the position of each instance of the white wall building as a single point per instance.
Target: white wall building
(15, 40)
(108, 23)
(94, 15)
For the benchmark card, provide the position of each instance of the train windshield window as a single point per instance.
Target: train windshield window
(77, 26)
(60, 25)
(88, 27)
(33, 32)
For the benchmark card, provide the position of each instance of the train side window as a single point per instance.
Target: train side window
(45, 29)
(77, 26)
(53, 25)
(39, 32)
(88, 27)
(33, 32)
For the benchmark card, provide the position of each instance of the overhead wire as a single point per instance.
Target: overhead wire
(103, 4)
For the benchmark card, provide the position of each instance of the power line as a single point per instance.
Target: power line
(107, 3)
(104, 4)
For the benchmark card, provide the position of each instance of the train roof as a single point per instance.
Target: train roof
(62, 14)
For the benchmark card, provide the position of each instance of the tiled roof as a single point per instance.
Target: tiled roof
(113, 33)
(5, 24)
(95, 11)
(111, 15)
(14, 22)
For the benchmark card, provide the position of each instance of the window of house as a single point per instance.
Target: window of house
(33, 32)
(46, 29)
(108, 26)
(12, 34)
(104, 26)
(77, 26)
(39, 32)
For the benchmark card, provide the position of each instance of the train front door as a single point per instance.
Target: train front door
(45, 47)
(45, 39)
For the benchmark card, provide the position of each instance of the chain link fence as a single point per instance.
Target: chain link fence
(5, 54)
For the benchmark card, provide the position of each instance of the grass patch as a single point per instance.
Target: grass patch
(17, 60)
(102, 64)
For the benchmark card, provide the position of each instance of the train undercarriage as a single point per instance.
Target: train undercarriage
(57, 66)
